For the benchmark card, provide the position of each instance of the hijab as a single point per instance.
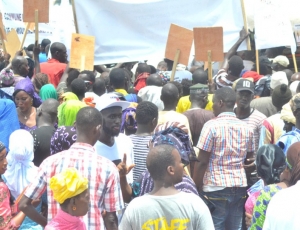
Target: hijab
(48, 91)
(20, 169)
(67, 112)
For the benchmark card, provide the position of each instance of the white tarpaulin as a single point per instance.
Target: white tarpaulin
(272, 26)
(133, 30)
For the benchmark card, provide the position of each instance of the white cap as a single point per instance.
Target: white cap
(278, 78)
(108, 100)
(282, 60)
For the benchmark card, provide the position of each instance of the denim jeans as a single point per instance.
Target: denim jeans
(229, 210)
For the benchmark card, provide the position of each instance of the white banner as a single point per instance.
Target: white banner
(133, 30)
(272, 26)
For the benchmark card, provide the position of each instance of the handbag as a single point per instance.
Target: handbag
(211, 206)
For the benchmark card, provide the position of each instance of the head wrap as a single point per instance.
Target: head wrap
(27, 86)
(48, 91)
(281, 95)
(67, 184)
(287, 115)
(278, 78)
(9, 121)
(20, 170)
(128, 119)
(293, 162)
(62, 139)
(175, 134)
(253, 75)
(294, 86)
(67, 112)
(270, 163)
(7, 77)
(67, 96)
(295, 102)
(2, 146)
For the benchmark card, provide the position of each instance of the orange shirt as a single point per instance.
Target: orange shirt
(54, 69)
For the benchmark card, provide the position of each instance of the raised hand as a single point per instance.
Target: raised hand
(123, 168)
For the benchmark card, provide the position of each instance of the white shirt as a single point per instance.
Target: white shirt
(123, 144)
(283, 210)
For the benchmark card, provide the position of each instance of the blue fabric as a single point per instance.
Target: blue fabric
(42, 57)
(287, 139)
(8, 120)
(30, 224)
(229, 207)
(7, 93)
(131, 98)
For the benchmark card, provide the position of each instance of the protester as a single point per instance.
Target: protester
(117, 81)
(199, 77)
(165, 204)
(224, 141)
(20, 68)
(162, 66)
(100, 172)
(272, 127)
(295, 77)
(67, 96)
(142, 73)
(170, 96)
(39, 80)
(48, 91)
(196, 115)
(6, 78)
(99, 88)
(68, 76)
(89, 79)
(55, 66)
(70, 190)
(62, 139)
(282, 212)
(78, 87)
(46, 118)
(280, 63)
(43, 55)
(146, 118)
(67, 112)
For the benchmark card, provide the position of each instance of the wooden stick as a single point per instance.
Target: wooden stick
(209, 66)
(175, 65)
(3, 44)
(295, 63)
(36, 19)
(257, 61)
(82, 64)
(245, 23)
(24, 36)
(75, 17)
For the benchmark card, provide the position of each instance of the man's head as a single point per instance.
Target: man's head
(281, 95)
(169, 95)
(280, 63)
(89, 78)
(236, 66)
(154, 79)
(265, 66)
(162, 66)
(164, 164)
(99, 87)
(200, 76)
(78, 87)
(72, 75)
(117, 79)
(20, 66)
(47, 112)
(244, 93)
(111, 109)
(295, 77)
(142, 68)
(198, 95)
(223, 100)
(295, 106)
(59, 52)
(88, 124)
(147, 115)
(105, 77)
(44, 43)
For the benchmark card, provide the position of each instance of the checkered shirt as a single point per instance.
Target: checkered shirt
(103, 176)
(228, 139)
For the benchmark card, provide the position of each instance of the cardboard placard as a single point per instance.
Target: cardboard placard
(208, 38)
(29, 7)
(82, 52)
(2, 30)
(179, 38)
(13, 42)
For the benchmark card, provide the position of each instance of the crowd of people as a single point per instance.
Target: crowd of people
(113, 149)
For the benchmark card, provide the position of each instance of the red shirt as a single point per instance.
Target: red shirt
(54, 69)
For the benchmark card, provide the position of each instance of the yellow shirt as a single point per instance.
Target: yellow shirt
(184, 104)
(122, 91)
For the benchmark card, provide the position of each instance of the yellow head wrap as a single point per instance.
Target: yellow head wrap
(67, 184)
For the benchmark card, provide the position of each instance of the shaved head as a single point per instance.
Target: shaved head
(295, 77)
(49, 107)
(154, 79)
(200, 76)
(169, 94)
(59, 52)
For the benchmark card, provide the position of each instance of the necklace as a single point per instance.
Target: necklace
(25, 116)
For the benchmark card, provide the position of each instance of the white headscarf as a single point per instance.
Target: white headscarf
(20, 169)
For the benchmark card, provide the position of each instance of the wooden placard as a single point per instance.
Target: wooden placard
(208, 38)
(82, 52)
(181, 39)
(29, 7)
(2, 29)
(13, 42)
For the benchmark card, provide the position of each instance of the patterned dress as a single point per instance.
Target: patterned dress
(260, 208)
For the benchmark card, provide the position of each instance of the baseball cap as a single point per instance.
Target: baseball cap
(244, 84)
(281, 60)
(278, 78)
(110, 100)
(295, 102)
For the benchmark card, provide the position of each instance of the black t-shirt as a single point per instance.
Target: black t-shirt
(42, 137)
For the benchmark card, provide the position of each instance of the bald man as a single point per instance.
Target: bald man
(154, 79)
(295, 77)
(169, 97)
(55, 66)
(20, 68)
(199, 77)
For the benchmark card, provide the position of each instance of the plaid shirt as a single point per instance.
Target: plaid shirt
(228, 139)
(103, 176)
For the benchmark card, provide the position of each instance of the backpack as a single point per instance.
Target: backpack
(262, 87)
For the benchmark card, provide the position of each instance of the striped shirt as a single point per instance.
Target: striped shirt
(228, 139)
(102, 174)
(140, 152)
